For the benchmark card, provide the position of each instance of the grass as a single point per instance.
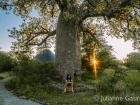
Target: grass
(57, 98)
(51, 96)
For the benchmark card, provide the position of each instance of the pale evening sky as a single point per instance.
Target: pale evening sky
(7, 21)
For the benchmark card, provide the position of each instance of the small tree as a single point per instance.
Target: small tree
(106, 59)
(133, 60)
(113, 84)
(6, 62)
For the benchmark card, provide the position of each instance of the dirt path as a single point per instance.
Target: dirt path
(7, 98)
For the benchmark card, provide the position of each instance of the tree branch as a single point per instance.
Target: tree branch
(86, 30)
(49, 34)
(87, 9)
(110, 11)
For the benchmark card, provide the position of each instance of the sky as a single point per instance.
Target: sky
(121, 48)
(7, 21)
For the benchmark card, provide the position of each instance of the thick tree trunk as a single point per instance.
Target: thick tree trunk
(68, 55)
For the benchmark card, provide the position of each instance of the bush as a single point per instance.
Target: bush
(6, 62)
(105, 85)
(133, 81)
(133, 60)
(87, 75)
(11, 84)
(1, 78)
(46, 71)
(112, 82)
(31, 72)
(26, 72)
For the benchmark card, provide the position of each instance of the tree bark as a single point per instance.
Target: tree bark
(68, 55)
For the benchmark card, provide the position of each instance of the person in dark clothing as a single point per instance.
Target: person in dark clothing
(68, 83)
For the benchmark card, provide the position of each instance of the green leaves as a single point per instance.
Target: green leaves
(133, 60)
(119, 18)
(101, 6)
(67, 17)
(6, 62)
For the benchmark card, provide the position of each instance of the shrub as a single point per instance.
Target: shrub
(111, 82)
(31, 72)
(1, 78)
(6, 62)
(87, 75)
(11, 84)
(133, 81)
(133, 60)
(46, 71)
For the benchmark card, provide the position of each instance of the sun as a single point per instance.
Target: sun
(94, 67)
(94, 63)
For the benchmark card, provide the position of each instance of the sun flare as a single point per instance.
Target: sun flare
(94, 63)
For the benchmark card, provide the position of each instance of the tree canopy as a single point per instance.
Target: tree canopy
(69, 22)
(106, 59)
(120, 18)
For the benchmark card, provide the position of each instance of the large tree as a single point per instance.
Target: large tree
(69, 20)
